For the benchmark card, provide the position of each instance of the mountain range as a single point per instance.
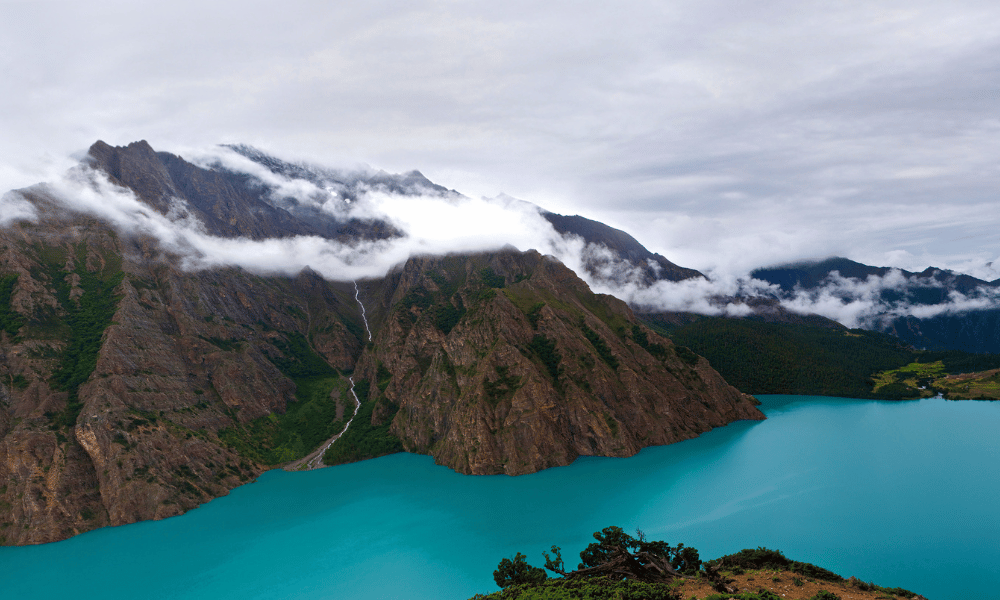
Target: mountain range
(145, 376)
(935, 309)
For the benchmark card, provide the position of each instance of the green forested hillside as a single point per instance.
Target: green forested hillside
(783, 358)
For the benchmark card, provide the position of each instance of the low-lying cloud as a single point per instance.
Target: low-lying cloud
(432, 225)
(877, 300)
(433, 221)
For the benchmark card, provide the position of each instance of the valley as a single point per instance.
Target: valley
(147, 376)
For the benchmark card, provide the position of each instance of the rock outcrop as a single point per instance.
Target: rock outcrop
(508, 363)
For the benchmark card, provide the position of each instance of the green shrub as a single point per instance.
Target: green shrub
(517, 571)
(447, 315)
(595, 588)
(86, 317)
(10, 320)
(603, 350)
(545, 350)
(534, 313)
(501, 388)
(491, 278)
(363, 439)
(762, 558)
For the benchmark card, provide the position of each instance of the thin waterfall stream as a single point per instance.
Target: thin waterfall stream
(317, 461)
(363, 316)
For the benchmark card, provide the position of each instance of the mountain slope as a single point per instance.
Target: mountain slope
(137, 390)
(124, 370)
(508, 363)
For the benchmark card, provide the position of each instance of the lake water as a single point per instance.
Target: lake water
(903, 494)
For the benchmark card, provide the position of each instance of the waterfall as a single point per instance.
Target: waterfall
(317, 460)
(363, 316)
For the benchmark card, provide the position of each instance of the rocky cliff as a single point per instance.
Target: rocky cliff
(508, 363)
(134, 389)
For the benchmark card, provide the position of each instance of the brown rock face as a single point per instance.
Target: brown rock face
(508, 363)
(180, 358)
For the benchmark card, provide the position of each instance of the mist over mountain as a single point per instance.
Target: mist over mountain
(935, 309)
(240, 206)
(169, 330)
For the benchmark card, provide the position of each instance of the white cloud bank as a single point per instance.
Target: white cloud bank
(433, 225)
(440, 223)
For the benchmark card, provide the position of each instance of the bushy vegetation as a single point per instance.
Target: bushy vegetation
(603, 350)
(307, 422)
(86, 318)
(597, 588)
(758, 595)
(545, 349)
(275, 439)
(763, 558)
(491, 278)
(501, 388)
(10, 320)
(445, 308)
(447, 315)
(517, 571)
(611, 540)
(298, 360)
(640, 337)
(363, 439)
(781, 358)
(223, 344)
(535, 313)
(618, 565)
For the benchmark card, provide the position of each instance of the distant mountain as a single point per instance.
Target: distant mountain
(654, 267)
(935, 309)
(929, 286)
(234, 203)
(349, 184)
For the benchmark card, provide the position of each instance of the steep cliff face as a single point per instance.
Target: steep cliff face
(508, 363)
(132, 386)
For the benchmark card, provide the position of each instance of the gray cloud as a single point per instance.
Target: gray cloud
(724, 135)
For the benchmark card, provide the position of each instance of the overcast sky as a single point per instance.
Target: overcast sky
(723, 134)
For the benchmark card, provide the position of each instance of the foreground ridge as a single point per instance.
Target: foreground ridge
(619, 565)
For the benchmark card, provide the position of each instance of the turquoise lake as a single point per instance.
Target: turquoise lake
(904, 494)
